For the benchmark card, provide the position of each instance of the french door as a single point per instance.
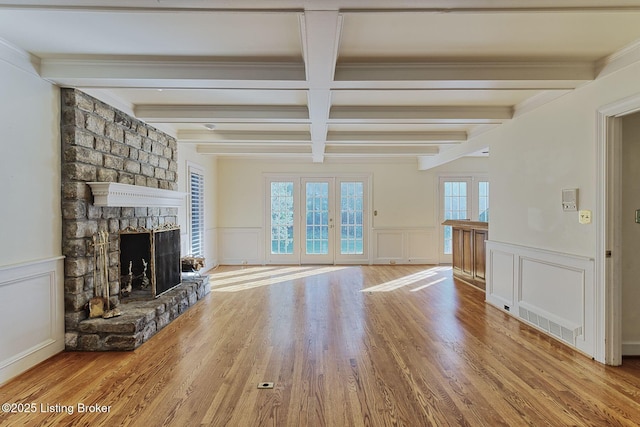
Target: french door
(461, 197)
(318, 220)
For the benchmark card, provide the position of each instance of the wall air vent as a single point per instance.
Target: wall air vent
(565, 332)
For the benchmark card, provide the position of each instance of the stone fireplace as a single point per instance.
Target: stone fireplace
(119, 177)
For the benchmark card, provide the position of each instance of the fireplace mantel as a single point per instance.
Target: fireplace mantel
(114, 194)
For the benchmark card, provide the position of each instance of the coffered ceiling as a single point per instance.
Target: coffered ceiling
(321, 80)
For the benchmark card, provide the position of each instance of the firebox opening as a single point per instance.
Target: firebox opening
(149, 262)
(135, 257)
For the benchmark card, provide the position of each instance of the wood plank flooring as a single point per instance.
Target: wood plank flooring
(345, 346)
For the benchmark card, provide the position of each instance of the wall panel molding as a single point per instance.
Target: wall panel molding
(31, 300)
(405, 245)
(552, 291)
(240, 246)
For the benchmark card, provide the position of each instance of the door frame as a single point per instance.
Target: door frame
(608, 269)
(297, 179)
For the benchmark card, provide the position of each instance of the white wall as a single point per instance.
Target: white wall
(534, 157)
(630, 235)
(29, 168)
(31, 270)
(403, 196)
(186, 155)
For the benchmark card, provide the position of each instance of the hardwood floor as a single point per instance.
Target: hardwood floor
(345, 346)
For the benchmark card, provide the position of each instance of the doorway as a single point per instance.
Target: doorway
(460, 197)
(318, 231)
(609, 242)
(317, 220)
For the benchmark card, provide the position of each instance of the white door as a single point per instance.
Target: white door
(281, 223)
(455, 203)
(352, 218)
(318, 221)
(461, 197)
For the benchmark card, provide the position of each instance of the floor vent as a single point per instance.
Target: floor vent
(566, 333)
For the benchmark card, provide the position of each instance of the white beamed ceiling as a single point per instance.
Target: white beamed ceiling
(323, 80)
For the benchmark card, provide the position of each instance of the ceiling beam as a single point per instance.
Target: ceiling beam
(380, 150)
(218, 136)
(396, 137)
(142, 72)
(145, 72)
(348, 6)
(254, 150)
(471, 147)
(320, 39)
(466, 71)
(420, 114)
(152, 113)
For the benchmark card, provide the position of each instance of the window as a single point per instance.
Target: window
(282, 217)
(461, 197)
(455, 207)
(196, 209)
(483, 201)
(351, 217)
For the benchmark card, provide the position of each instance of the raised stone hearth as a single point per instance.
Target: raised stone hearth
(140, 319)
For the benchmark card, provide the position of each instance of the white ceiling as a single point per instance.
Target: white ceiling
(324, 80)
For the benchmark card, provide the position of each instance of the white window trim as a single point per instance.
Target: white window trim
(472, 195)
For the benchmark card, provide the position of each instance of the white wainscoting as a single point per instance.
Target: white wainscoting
(31, 315)
(552, 291)
(405, 246)
(630, 348)
(239, 246)
(211, 247)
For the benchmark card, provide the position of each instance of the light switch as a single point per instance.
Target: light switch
(584, 217)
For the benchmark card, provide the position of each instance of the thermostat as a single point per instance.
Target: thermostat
(570, 199)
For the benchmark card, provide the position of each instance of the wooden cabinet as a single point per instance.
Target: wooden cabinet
(469, 255)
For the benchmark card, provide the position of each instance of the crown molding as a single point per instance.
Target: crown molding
(618, 60)
(537, 101)
(19, 58)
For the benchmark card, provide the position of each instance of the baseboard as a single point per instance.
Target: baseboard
(631, 348)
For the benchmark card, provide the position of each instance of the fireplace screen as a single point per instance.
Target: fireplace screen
(149, 262)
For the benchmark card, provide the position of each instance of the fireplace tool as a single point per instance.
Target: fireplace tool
(100, 306)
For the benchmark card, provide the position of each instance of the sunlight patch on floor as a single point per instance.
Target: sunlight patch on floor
(306, 272)
(409, 280)
(442, 279)
(253, 274)
(244, 270)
